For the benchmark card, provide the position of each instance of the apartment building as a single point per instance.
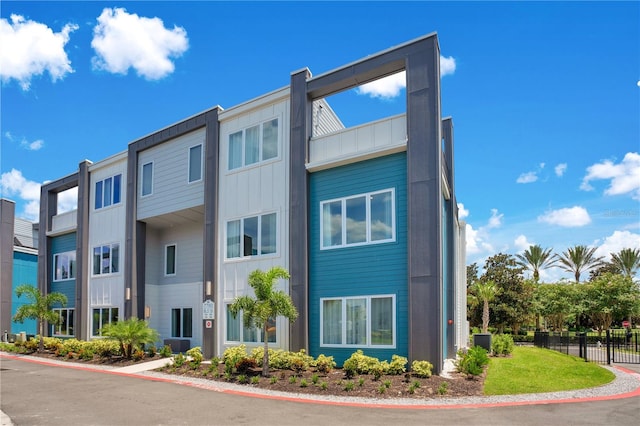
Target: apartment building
(364, 218)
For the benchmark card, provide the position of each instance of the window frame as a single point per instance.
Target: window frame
(111, 268)
(343, 219)
(199, 179)
(110, 310)
(343, 325)
(182, 323)
(99, 202)
(166, 259)
(142, 185)
(71, 275)
(56, 328)
(259, 233)
(242, 330)
(261, 140)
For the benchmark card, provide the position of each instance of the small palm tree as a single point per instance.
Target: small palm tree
(536, 258)
(266, 306)
(578, 259)
(131, 334)
(627, 261)
(40, 308)
(486, 292)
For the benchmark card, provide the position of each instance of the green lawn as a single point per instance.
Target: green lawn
(533, 370)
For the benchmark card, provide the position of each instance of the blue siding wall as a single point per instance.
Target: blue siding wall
(363, 270)
(25, 271)
(62, 244)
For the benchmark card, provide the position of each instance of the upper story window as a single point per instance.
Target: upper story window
(254, 144)
(108, 191)
(357, 220)
(170, 259)
(64, 265)
(195, 163)
(106, 259)
(258, 236)
(147, 179)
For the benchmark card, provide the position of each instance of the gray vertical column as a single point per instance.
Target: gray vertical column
(424, 158)
(82, 261)
(451, 235)
(212, 143)
(48, 209)
(298, 209)
(7, 225)
(130, 231)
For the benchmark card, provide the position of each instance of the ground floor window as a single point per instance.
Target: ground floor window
(65, 327)
(361, 321)
(237, 332)
(102, 317)
(182, 322)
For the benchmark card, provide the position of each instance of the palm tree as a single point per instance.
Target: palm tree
(627, 261)
(131, 334)
(486, 292)
(40, 308)
(268, 304)
(536, 258)
(578, 259)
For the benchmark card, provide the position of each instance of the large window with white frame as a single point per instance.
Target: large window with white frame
(147, 179)
(195, 163)
(182, 322)
(237, 332)
(65, 326)
(102, 317)
(359, 321)
(64, 266)
(253, 144)
(170, 252)
(357, 220)
(252, 236)
(106, 259)
(108, 191)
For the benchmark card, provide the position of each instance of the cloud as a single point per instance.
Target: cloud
(30, 48)
(625, 176)
(495, 221)
(122, 41)
(568, 217)
(528, 177)
(521, 243)
(462, 212)
(478, 240)
(617, 241)
(560, 169)
(24, 143)
(391, 86)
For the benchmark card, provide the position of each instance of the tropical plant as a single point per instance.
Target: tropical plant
(40, 308)
(267, 305)
(130, 334)
(610, 296)
(536, 258)
(486, 292)
(627, 261)
(578, 259)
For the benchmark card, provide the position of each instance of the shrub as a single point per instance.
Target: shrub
(86, 353)
(166, 352)
(105, 348)
(421, 368)
(299, 361)
(245, 364)
(52, 343)
(138, 354)
(443, 388)
(179, 360)
(397, 365)
(359, 363)
(502, 344)
(324, 364)
(152, 350)
(472, 362)
(196, 355)
(232, 356)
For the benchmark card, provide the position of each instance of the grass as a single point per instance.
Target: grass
(534, 370)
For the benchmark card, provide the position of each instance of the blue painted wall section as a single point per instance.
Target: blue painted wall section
(63, 244)
(360, 270)
(25, 271)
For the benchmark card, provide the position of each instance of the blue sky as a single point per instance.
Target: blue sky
(545, 96)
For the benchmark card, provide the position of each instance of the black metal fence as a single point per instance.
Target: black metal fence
(612, 346)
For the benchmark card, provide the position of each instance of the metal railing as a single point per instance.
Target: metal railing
(612, 346)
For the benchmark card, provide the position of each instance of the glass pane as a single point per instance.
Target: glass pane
(115, 258)
(356, 321)
(62, 328)
(70, 322)
(107, 192)
(98, 203)
(332, 322)
(272, 330)
(116, 188)
(233, 239)
(249, 335)
(235, 150)
(96, 322)
(381, 216)
(268, 234)
(332, 224)
(270, 139)
(170, 260)
(356, 220)
(187, 319)
(382, 321)
(96, 260)
(63, 264)
(114, 315)
(147, 178)
(195, 163)
(72, 264)
(250, 236)
(252, 145)
(175, 323)
(57, 270)
(233, 327)
(105, 317)
(106, 260)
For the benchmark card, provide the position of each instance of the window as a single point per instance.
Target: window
(258, 236)
(108, 191)
(254, 144)
(147, 179)
(65, 327)
(181, 322)
(170, 259)
(363, 321)
(237, 332)
(102, 317)
(357, 220)
(64, 265)
(195, 163)
(106, 259)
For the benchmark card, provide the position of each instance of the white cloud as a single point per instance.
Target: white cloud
(617, 241)
(495, 220)
(528, 177)
(122, 41)
(32, 146)
(462, 212)
(390, 87)
(478, 239)
(30, 48)
(560, 169)
(521, 243)
(568, 217)
(624, 177)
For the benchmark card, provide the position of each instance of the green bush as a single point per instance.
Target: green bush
(472, 362)
(324, 363)
(196, 355)
(359, 363)
(421, 368)
(502, 344)
(397, 365)
(105, 348)
(179, 360)
(166, 352)
(232, 356)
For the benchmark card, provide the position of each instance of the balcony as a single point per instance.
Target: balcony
(63, 223)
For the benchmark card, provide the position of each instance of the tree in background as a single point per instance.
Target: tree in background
(627, 261)
(578, 259)
(40, 308)
(610, 296)
(536, 258)
(556, 303)
(131, 334)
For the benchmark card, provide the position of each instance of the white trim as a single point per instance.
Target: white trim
(54, 278)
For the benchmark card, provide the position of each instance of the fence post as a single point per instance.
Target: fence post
(608, 347)
(582, 339)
